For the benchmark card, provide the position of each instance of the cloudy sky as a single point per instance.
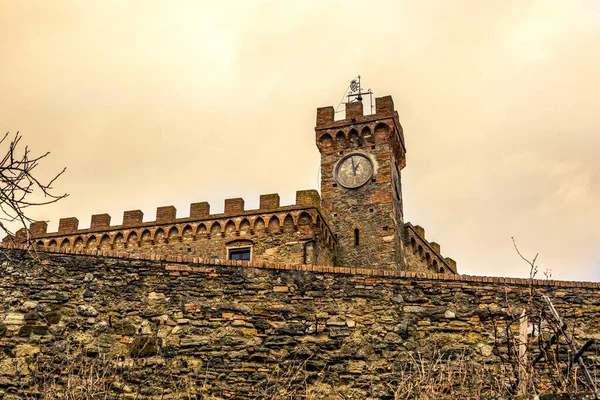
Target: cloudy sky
(152, 103)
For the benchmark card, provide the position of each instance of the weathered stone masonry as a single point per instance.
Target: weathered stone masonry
(232, 329)
(299, 233)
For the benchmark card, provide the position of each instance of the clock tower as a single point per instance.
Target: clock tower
(361, 161)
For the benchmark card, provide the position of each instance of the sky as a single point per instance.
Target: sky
(153, 103)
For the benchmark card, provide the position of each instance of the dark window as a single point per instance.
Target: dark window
(240, 254)
(356, 238)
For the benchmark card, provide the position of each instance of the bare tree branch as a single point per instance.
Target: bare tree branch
(20, 189)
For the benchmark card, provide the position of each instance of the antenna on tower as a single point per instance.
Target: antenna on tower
(354, 92)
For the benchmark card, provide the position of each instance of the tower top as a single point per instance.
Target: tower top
(385, 118)
(384, 107)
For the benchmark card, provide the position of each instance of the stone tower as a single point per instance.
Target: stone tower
(361, 159)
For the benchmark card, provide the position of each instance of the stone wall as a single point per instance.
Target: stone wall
(177, 326)
(423, 255)
(273, 232)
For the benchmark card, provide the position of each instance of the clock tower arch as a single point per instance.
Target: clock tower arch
(361, 161)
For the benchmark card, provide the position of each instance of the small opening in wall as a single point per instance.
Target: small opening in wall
(356, 237)
(335, 214)
(373, 180)
(385, 228)
(370, 210)
(341, 153)
(240, 253)
(189, 249)
(335, 185)
(372, 147)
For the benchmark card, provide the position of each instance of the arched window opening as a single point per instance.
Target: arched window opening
(356, 237)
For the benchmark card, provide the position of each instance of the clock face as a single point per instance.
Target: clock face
(354, 170)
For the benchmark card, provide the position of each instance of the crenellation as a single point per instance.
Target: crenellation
(100, 221)
(68, 225)
(308, 198)
(166, 214)
(273, 234)
(38, 228)
(132, 217)
(451, 263)
(419, 231)
(269, 201)
(199, 210)
(354, 110)
(234, 206)
(422, 254)
(384, 104)
(325, 115)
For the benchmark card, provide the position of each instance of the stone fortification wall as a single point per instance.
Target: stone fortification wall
(298, 234)
(178, 325)
(423, 255)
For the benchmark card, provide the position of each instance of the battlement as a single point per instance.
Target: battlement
(168, 214)
(384, 107)
(302, 222)
(424, 253)
(358, 129)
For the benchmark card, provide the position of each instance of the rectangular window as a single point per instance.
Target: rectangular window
(241, 253)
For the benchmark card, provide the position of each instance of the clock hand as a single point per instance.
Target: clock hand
(353, 167)
(358, 164)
